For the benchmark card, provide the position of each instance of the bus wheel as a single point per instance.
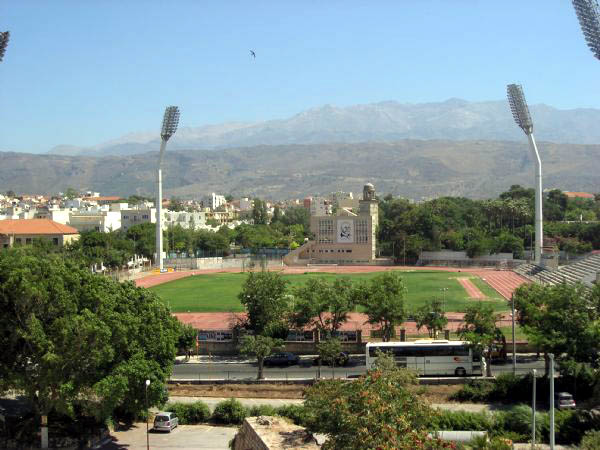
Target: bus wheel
(460, 372)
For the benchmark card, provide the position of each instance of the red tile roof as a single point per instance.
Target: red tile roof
(110, 198)
(579, 195)
(34, 226)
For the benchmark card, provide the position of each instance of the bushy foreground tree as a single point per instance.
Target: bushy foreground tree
(78, 343)
(375, 411)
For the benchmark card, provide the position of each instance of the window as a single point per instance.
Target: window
(145, 216)
(55, 241)
(28, 241)
(126, 217)
(348, 251)
(18, 240)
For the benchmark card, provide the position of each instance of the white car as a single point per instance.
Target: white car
(165, 421)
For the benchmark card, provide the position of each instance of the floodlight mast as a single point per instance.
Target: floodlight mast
(4, 38)
(588, 14)
(169, 127)
(520, 112)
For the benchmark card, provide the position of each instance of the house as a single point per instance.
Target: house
(25, 231)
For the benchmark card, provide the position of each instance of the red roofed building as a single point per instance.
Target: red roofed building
(25, 231)
(579, 195)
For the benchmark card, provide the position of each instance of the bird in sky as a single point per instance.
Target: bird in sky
(253, 54)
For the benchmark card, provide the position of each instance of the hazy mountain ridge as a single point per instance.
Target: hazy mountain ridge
(412, 168)
(454, 119)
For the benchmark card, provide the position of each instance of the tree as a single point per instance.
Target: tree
(431, 316)
(297, 215)
(261, 347)
(264, 296)
(276, 214)
(378, 410)
(187, 338)
(383, 300)
(323, 305)
(259, 212)
(176, 204)
(71, 193)
(74, 341)
(561, 319)
(480, 330)
(329, 350)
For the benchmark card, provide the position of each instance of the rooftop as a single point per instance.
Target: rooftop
(34, 227)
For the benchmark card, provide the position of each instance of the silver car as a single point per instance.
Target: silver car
(564, 400)
(165, 421)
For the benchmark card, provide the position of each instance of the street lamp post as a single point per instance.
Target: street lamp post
(551, 356)
(533, 373)
(147, 430)
(514, 344)
(589, 19)
(520, 112)
(169, 127)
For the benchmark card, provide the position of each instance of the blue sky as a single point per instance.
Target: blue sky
(82, 72)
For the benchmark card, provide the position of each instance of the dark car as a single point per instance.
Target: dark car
(340, 360)
(282, 359)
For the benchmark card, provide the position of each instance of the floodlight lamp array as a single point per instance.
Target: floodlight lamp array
(519, 108)
(588, 14)
(170, 122)
(4, 38)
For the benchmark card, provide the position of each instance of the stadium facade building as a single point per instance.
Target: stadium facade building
(346, 237)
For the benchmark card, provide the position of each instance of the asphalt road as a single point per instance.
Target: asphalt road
(356, 366)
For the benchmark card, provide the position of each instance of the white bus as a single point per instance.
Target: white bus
(430, 357)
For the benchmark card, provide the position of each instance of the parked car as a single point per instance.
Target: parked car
(340, 360)
(165, 421)
(564, 400)
(282, 359)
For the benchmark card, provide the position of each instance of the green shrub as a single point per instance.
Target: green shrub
(230, 412)
(483, 443)
(516, 420)
(474, 391)
(591, 440)
(297, 413)
(190, 413)
(262, 410)
(461, 420)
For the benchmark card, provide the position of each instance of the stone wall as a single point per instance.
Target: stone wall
(272, 433)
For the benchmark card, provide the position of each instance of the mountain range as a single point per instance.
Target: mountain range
(388, 121)
(411, 168)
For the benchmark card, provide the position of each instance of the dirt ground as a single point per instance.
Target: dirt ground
(434, 393)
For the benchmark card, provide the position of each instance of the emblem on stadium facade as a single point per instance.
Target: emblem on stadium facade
(345, 231)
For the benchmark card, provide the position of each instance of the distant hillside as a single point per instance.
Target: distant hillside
(412, 168)
(453, 119)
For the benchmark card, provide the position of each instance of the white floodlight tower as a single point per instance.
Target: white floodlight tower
(4, 38)
(589, 18)
(520, 112)
(169, 126)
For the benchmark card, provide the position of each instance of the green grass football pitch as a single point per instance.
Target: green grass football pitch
(218, 292)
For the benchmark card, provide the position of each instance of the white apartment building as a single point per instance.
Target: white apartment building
(213, 201)
(95, 220)
(188, 220)
(131, 217)
(320, 206)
